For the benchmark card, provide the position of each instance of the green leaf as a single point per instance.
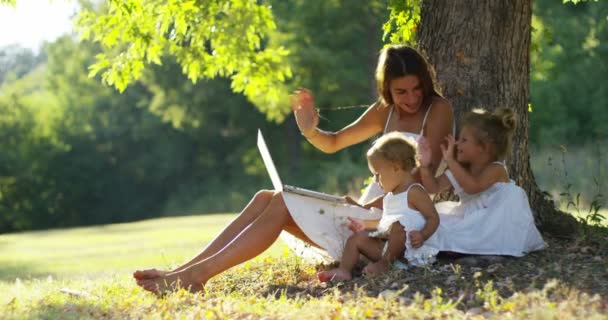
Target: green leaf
(207, 40)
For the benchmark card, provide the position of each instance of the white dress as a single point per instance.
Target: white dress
(396, 209)
(325, 222)
(497, 221)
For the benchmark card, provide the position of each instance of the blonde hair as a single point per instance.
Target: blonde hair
(396, 148)
(495, 129)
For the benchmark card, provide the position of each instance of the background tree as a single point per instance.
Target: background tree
(482, 57)
(77, 152)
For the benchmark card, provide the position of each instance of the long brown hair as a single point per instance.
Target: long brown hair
(398, 61)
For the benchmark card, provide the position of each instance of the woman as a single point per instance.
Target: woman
(409, 102)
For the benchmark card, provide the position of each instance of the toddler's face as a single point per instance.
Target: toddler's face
(385, 173)
(467, 146)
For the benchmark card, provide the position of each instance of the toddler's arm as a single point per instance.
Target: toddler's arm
(420, 200)
(374, 203)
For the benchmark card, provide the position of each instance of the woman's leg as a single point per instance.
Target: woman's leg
(253, 210)
(252, 241)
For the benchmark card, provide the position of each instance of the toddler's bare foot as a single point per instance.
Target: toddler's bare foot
(376, 268)
(172, 282)
(149, 274)
(334, 275)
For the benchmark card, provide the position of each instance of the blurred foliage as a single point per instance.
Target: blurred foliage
(207, 38)
(569, 63)
(402, 22)
(16, 62)
(77, 152)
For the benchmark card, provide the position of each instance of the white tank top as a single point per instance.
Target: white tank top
(374, 190)
(412, 135)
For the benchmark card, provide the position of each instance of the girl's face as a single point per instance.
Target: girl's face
(468, 149)
(385, 172)
(407, 93)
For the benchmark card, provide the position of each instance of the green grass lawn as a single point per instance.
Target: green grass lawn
(110, 249)
(85, 273)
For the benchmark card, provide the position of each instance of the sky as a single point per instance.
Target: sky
(34, 21)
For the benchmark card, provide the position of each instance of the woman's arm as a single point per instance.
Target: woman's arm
(439, 124)
(434, 184)
(367, 125)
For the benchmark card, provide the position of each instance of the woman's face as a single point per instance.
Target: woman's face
(407, 93)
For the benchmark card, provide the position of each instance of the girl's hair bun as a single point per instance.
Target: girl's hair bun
(507, 117)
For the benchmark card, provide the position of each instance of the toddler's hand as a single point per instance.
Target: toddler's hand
(424, 152)
(416, 239)
(355, 225)
(350, 200)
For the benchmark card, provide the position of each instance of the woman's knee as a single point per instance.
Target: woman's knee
(275, 207)
(264, 195)
(257, 204)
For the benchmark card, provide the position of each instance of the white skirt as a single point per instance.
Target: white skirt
(325, 223)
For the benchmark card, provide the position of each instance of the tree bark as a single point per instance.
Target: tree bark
(480, 51)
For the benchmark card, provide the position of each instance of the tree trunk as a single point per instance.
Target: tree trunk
(480, 51)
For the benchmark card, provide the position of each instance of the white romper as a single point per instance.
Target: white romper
(396, 209)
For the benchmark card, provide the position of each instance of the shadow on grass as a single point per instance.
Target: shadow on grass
(576, 266)
(10, 272)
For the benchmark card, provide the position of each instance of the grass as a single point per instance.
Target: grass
(579, 169)
(84, 273)
(109, 249)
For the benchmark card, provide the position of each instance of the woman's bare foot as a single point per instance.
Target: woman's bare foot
(149, 274)
(334, 275)
(376, 268)
(172, 282)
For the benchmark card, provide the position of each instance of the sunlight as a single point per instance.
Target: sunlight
(32, 22)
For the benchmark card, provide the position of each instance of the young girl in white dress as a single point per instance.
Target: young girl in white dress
(493, 215)
(408, 219)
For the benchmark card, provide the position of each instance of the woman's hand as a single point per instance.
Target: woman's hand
(355, 225)
(416, 239)
(424, 152)
(303, 105)
(448, 152)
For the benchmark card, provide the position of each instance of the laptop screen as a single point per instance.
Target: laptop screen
(272, 170)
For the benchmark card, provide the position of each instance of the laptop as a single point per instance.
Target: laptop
(279, 186)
